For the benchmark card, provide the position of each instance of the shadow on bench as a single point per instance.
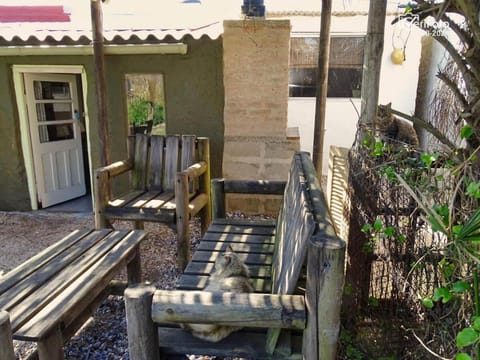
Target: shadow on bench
(50, 296)
(297, 270)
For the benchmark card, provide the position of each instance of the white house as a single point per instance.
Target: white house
(398, 83)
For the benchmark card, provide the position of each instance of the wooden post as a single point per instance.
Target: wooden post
(183, 218)
(218, 199)
(204, 154)
(6, 345)
(51, 347)
(100, 83)
(134, 268)
(372, 62)
(142, 334)
(322, 79)
(101, 189)
(325, 278)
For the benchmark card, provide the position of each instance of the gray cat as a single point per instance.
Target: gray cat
(230, 275)
(392, 128)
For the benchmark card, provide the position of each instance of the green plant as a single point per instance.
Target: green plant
(139, 110)
(351, 352)
(377, 231)
(460, 264)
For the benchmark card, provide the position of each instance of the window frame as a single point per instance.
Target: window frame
(316, 35)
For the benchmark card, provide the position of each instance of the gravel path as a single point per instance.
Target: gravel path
(22, 235)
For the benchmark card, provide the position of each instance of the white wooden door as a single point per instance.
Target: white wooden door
(52, 102)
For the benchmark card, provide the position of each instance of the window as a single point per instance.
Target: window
(146, 102)
(344, 72)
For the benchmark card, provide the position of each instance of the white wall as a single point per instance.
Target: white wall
(398, 85)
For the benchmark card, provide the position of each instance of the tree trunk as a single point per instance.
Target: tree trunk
(372, 61)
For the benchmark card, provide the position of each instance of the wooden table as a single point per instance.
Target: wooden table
(50, 296)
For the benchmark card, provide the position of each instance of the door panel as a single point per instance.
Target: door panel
(56, 137)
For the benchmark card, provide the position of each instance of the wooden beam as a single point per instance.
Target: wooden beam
(6, 345)
(226, 308)
(372, 62)
(142, 337)
(183, 218)
(322, 79)
(100, 81)
(325, 279)
(263, 187)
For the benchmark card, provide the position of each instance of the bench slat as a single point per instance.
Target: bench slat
(201, 268)
(139, 174)
(45, 272)
(156, 163)
(195, 282)
(239, 248)
(25, 269)
(234, 226)
(25, 310)
(257, 259)
(239, 238)
(125, 199)
(159, 200)
(171, 162)
(141, 200)
(73, 299)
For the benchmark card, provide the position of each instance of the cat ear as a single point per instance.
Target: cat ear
(227, 258)
(389, 105)
(229, 249)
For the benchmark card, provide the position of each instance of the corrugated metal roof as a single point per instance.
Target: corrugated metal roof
(29, 35)
(153, 21)
(146, 21)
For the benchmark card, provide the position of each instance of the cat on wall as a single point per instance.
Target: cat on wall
(393, 129)
(230, 275)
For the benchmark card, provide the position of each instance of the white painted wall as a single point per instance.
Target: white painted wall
(398, 85)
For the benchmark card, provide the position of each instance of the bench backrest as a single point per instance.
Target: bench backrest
(157, 159)
(295, 226)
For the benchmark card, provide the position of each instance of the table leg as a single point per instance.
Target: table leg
(134, 268)
(51, 347)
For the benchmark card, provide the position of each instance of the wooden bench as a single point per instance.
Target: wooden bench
(170, 183)
(50, 296)
(297, 270)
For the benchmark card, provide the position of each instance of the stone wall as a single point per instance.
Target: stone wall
(255, 73)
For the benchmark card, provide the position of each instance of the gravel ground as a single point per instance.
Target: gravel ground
(23, 234)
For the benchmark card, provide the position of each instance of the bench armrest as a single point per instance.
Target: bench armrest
(102, 187)
(116, 168)
(226, 308)
(195, 170)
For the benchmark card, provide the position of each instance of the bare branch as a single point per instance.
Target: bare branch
(463, 64)
(427, 126)
(454, 87)
(469, 9)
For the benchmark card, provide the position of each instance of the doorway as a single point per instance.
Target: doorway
(54, 129)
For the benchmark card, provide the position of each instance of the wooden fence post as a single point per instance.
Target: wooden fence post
(218, 199)
(204, 154)
(142, 332)
(6, 345)
(325, 277)
(183, 220)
